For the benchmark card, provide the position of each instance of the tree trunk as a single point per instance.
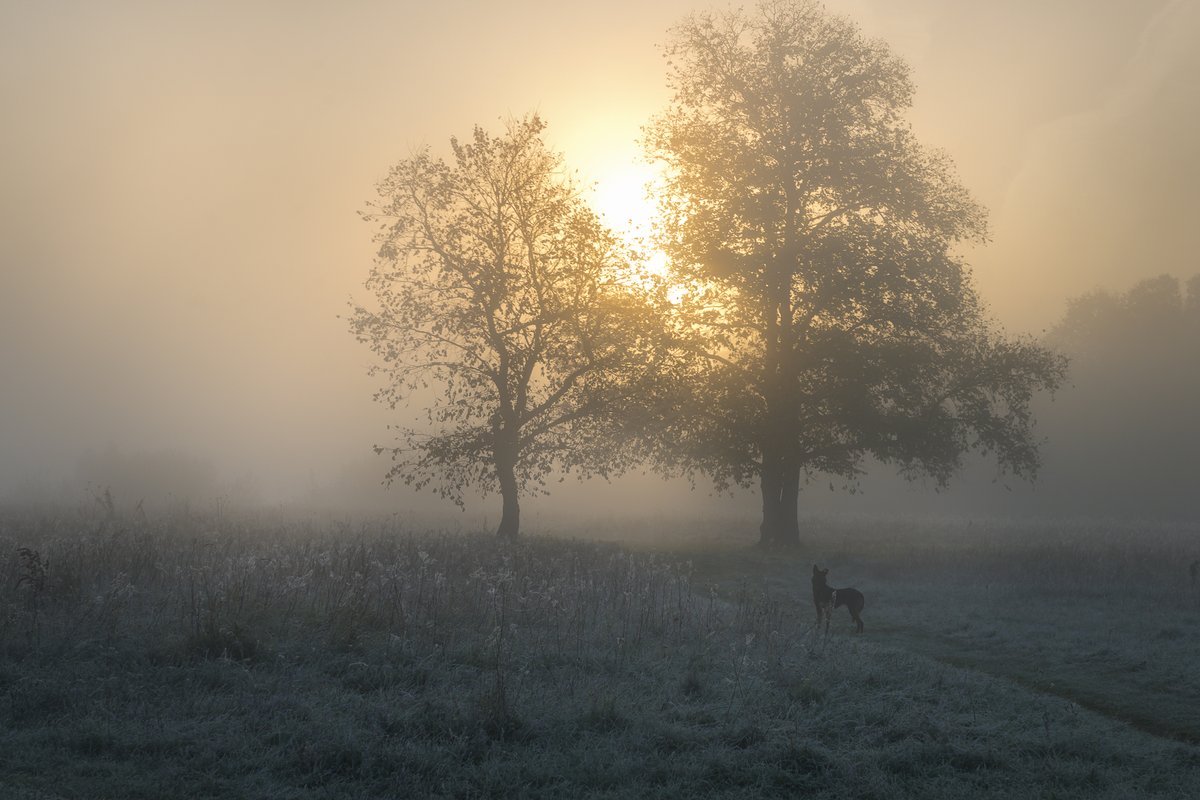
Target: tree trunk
(505, 452)
(771, 482)
(789, 506)
(780, 484)
(780, 471)
(510, 518)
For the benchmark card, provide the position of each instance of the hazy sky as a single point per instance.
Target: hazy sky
(180, 181)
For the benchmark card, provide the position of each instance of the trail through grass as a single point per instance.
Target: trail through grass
(1104, 617)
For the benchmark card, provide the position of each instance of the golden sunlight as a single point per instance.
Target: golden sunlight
(622, 196)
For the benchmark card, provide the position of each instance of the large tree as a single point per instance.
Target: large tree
(500, 291)
(831, 315)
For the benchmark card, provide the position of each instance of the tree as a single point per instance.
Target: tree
(831, 317)
(498, 286)
(1126, 431)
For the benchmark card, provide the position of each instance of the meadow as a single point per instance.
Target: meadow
(221, 656)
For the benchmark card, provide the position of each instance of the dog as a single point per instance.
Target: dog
(826, 599)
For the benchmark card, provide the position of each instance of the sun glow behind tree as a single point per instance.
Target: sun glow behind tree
(495, 283)
(624, 194)
(833, 318)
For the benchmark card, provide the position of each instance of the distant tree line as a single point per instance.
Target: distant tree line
(152, 479)
(1125, 432)
(814, 312)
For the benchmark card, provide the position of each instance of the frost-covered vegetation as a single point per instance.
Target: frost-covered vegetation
(222, 657)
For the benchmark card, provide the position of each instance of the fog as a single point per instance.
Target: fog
(178, 227)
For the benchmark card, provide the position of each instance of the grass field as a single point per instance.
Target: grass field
(1104, 616)
(254, 657)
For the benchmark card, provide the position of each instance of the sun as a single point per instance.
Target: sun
(622, 196)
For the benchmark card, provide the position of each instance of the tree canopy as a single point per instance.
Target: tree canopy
(500, 292)
(820, 308)
(828, 310)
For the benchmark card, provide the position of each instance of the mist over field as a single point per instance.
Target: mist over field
(625, 400)
(179, 231)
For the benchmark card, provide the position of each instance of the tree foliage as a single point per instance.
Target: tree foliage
(501, 298)
(828, 309)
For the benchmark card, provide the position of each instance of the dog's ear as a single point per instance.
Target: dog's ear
(815, 570)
